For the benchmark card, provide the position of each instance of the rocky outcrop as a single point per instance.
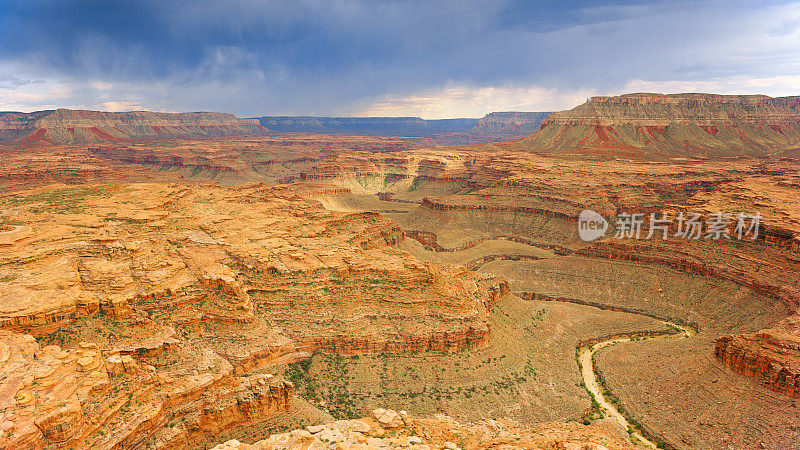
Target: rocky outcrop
(386, 428)
(251, 398)
(771, 356)
(537, 296)
(431, 242)
(65, 126)
(88, 398)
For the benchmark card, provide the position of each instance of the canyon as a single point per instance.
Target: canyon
(226, 283)
(144, 300)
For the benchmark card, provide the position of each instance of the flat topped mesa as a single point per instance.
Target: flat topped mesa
(659, 126)
(66, 126)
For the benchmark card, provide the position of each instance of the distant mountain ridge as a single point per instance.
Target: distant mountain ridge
(67, 126)
(394, 126)
(492, 127)
(662, 126)
(511, 122)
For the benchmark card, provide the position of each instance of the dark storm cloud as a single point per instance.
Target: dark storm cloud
(320, 57)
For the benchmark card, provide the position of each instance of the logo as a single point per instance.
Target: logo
(591, 225)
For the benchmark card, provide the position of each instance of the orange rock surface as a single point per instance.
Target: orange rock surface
(771, 356)
(88, 397)
(160, 296)
(386, 428)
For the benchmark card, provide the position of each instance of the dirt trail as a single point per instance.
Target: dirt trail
(590, 380)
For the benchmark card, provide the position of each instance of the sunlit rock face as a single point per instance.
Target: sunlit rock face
(160, 298)
(657, 126)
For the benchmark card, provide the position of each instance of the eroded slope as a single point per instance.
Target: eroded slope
(151, 301)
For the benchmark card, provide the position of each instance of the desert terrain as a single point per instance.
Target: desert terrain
(192, 281)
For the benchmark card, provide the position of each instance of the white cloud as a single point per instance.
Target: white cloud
(465, 101)
(121, 106)
(101, 85)
(355, 58)
(33, 97)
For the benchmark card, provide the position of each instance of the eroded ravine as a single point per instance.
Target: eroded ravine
(585, 357)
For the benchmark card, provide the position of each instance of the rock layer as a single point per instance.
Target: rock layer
(386, 428)
(88, 398)
(657, 126)
(771, 356)
(65, 126)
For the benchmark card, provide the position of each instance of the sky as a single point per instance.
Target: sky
(433, 58)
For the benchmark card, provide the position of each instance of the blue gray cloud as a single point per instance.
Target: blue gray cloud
(353, 56)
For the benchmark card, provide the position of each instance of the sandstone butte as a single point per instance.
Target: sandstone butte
(207, 283)
(386, 428)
